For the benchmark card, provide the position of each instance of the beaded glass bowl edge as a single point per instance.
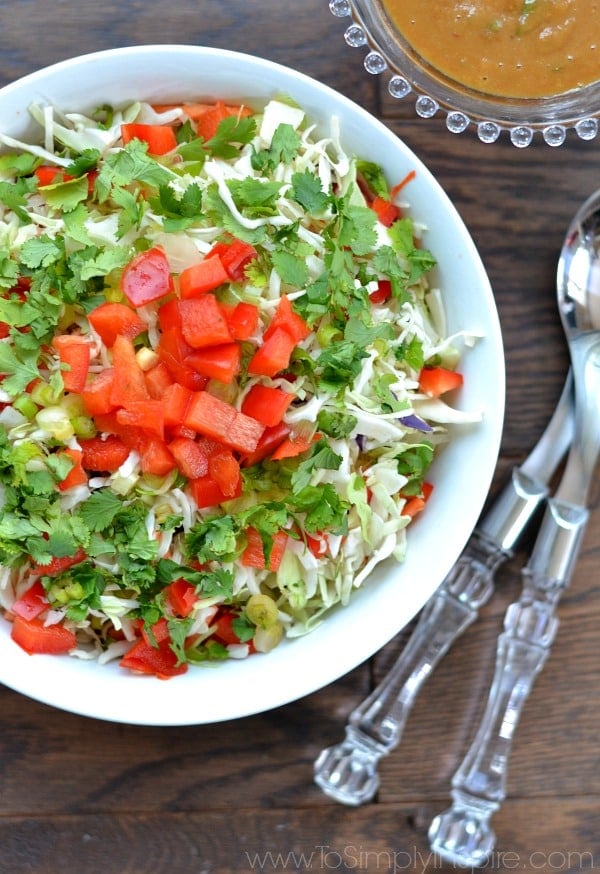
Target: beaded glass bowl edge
(465, 109)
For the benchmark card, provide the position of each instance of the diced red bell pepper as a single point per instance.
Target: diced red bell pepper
(274, 354)
(169, 316)
(224, 469)
(207, 493)
(103, 454)
(156, 458)
(158, 379)
(176, 401)
(111, 319)
(270, 439)
(158, 632)
(218, 248)
(97, 395)
(254, 555)
(190, 457)
(148, 415)
(221, 362)
(159, 661)
(160, 138)
(35, 637)
(383, 292)
(386, 211)
(209, 120)
(266, 403)
(74, 352)
(172, 349)
(77, 475)
(181, 597)
(223, 627)
(129, 384)
(204, 276)
(285, 317)
(203, 322)
(147, 277)
(417, 503)
(59, 564)
(436, 381)
(47, 174)
(32, 603)
(182, 431)
(235, 258)
(242, 320)
(293, 446)
(219, 420)
(318, 544)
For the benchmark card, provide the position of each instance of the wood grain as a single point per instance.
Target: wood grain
(86, 796)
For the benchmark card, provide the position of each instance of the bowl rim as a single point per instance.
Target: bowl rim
(335, 648)
(465, 108)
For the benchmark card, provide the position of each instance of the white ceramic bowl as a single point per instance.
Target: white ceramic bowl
(462, 475)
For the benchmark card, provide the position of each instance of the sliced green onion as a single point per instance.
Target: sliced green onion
(55, 421)
(25, 406)
(44, 394)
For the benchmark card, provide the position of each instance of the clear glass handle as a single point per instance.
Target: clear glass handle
(347, 771)
(463, 834)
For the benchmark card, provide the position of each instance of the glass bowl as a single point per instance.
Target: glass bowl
(388, 52)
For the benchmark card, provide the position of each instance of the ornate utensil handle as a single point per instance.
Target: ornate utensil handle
(348, 771)
(462, 834)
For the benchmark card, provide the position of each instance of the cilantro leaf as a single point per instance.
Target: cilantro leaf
(285, 144)
(336, 423)
(17, 164)
(218, 212)
(41, 252)
(374, 178)
(65, 196)
(324, 509)
(99, 510)
(232, 133)
(322, 456)
(414, 463)
(291, 269)
(356, 229)
(21, 369)
(362, 334)
(9, 270)
(102, 262)
(12, 195)
(179, 211)
(254, 196)
(243, 628)
(340, 364)
(411, 351)
(307, 190)
(84, 162)
(212, 540)
(217, 584)
(129, 164)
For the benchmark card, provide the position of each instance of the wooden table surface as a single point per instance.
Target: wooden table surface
(80, 795)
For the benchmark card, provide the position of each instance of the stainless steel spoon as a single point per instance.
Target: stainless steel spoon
(462, 834)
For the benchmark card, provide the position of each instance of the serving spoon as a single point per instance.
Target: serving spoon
(462, 834)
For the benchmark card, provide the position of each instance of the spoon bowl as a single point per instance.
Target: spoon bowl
(578, 273)
(578, 298)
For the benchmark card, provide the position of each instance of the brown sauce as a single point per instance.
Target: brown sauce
(509, 48)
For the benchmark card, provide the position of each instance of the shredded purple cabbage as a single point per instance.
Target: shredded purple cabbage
(415, 422)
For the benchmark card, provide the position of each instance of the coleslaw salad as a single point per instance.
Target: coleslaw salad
(278, 283)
